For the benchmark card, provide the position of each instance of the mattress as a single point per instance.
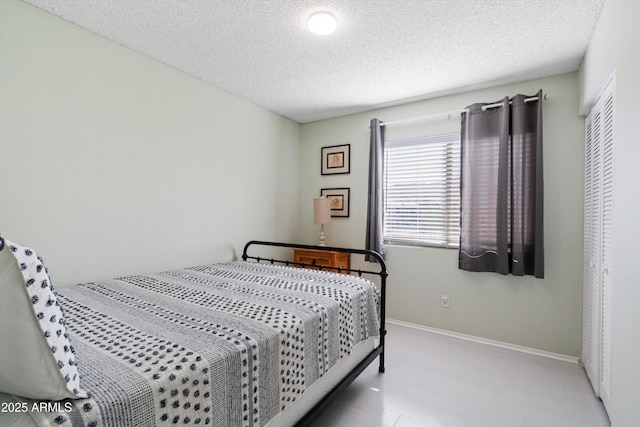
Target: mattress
(232, 344)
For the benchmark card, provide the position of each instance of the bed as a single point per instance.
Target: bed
(257, 342)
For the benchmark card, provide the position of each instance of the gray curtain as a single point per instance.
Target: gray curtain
(375, 210)
(502, 194)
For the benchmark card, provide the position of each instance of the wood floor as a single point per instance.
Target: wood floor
(434, 380)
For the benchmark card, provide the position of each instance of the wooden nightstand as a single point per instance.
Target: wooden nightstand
(325, 258)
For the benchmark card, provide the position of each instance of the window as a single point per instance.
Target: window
(421, 185)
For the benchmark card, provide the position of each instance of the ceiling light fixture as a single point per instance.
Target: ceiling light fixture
(322, 23)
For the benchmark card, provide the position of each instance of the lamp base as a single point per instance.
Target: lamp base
(322, 237)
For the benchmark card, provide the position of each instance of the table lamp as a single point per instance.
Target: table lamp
(321, 215)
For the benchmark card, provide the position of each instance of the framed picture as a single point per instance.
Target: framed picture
(336, 159)
(339, 200)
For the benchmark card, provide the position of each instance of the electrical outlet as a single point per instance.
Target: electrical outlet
(444, 300)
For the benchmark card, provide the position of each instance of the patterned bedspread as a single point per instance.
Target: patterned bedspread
(225, 345)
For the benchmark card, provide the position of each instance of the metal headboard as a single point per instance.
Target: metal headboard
(382, 272)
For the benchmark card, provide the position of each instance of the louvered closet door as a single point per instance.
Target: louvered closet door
(598, 243)
(607, 239)
(591, 313)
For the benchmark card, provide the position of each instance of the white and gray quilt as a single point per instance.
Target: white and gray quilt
(228, 344)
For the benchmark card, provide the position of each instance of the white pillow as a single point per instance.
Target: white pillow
(36, 358)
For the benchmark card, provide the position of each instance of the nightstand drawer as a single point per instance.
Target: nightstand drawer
(318, 258)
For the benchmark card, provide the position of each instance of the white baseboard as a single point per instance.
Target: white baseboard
(487, 341)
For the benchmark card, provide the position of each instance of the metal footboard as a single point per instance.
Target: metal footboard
(377, 352)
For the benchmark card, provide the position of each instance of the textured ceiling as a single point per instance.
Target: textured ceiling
(383, 52)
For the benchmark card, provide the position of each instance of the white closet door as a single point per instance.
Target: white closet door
(591, 313)
(598, 243)
(607, 239)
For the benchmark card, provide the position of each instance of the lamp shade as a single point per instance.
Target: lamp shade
(321, 210)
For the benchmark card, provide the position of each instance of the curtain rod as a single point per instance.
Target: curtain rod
(431, 117)
(499, 104)
(447, 115)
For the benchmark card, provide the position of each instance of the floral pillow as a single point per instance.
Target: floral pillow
(36, 358)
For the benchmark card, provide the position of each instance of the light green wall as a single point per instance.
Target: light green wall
(544, 314)
(614, 45)
(112, 163)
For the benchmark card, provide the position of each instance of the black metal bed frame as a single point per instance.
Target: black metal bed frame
(378, 351)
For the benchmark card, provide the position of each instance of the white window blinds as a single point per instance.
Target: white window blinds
(421, 184)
